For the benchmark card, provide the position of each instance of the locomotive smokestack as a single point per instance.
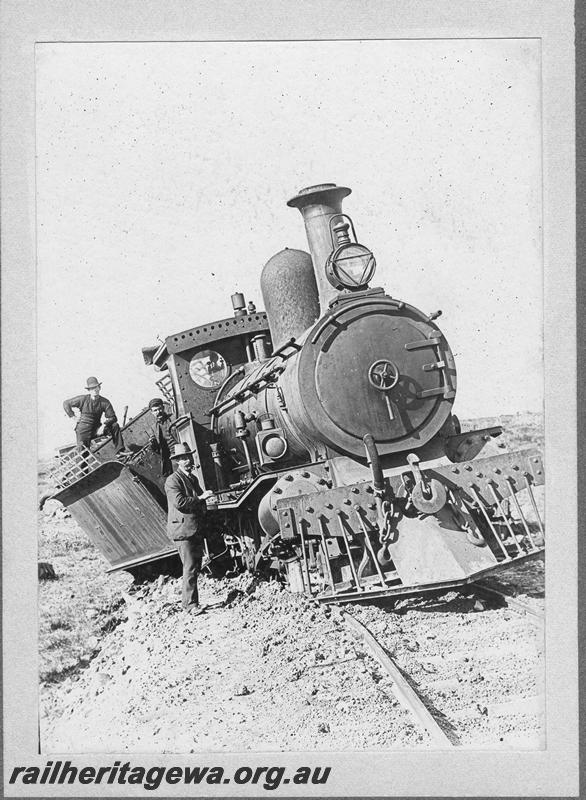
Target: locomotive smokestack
(318, 204)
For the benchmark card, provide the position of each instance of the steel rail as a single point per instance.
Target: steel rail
(402, 690)
(534, 616)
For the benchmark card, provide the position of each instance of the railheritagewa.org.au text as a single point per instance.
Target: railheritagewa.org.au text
(151, 778)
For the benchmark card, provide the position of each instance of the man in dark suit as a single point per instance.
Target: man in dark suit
(88, 421)
(162, 435)
(187, 508)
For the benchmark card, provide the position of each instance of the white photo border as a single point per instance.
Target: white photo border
(553, 771)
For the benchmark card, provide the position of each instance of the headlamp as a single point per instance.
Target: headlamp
(350, 265)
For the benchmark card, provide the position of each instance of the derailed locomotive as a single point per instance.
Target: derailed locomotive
(324, 427)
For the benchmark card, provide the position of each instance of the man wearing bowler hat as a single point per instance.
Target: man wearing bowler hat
(88, 421)
(186, 510)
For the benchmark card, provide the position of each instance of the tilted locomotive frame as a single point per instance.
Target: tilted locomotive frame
(325, 429)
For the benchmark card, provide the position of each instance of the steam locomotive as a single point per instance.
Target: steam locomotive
(324, 428)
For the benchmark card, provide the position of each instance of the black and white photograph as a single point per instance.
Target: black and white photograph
(295, 310)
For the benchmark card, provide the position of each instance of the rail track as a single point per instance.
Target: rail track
(536, 617)
(488, 686)
(403, 691)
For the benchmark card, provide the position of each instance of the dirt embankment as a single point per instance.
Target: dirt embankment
(275, 671)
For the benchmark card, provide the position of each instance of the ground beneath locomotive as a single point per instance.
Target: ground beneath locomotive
(275, 671)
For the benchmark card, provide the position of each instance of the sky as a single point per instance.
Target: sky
(163, 171)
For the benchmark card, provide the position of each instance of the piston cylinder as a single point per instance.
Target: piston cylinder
(290, 295)
(291, 485)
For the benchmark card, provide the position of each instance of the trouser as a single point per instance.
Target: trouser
(190, 553)
(84, 435)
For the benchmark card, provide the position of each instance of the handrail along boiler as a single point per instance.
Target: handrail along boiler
(324, 426)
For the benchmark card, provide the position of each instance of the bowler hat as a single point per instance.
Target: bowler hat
(92, 382)
(156, 401)
(181, 449)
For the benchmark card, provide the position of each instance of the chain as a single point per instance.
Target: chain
(386, 526)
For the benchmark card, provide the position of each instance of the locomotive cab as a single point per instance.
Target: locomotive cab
(201, 363)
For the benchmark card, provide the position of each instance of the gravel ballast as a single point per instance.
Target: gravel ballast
(273, 671)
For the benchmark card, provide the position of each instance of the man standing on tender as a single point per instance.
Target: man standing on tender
(88, 421)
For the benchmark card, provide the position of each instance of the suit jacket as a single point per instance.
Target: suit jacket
(186, 510)
(164, 438)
